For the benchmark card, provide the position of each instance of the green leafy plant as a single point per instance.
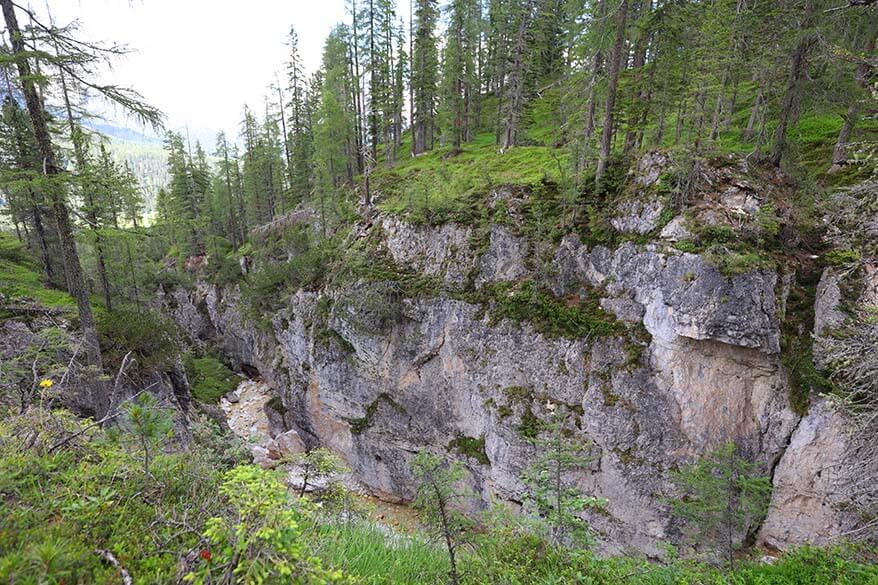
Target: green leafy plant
(555, 496)
(723, 495)
(318, 466)
(261, 540)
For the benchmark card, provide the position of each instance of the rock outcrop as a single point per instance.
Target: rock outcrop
(698, 367)
(691, 362)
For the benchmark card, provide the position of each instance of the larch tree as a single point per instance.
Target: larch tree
(424, 75)
(615, 66)
(60, 48)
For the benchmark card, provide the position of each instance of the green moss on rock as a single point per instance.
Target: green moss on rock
(470, 447)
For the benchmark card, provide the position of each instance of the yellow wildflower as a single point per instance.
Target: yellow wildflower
(46, 383)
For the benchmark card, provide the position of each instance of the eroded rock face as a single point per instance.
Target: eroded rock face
(699, 366)
(441, 252)
(807, 483)
(681, 296)
(827, 311)
(637, 215)
(504, 260)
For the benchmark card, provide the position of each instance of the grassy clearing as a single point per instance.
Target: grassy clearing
(444, 187)
(377, 556)
(20, 277)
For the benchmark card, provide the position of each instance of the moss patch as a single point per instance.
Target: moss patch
(470, 447)
(797, 354)
(527, 302)
(210, 379)
(530, 425)
(20, 278)
(360, 425)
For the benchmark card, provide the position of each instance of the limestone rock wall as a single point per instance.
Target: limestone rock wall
(705, 370)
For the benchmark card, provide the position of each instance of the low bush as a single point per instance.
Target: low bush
(149, 337)
(209, 378)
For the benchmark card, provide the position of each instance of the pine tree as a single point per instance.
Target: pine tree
(57, 196)
(425, 75)
(439, 487)
(723, 496)
(615, 65)
(300, 134)
(515, 85)
(557, 498)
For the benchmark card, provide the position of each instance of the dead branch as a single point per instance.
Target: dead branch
(852, 4)
(108, 417)
(119, 374)
(110, 558)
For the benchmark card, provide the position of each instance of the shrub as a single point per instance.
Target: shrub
(550, 316)
(840, 257)
(151, 338)
(265, 288)
(724, 495)
(210, 379)
(260, 540)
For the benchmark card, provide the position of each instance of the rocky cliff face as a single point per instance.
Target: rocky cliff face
(693, 361)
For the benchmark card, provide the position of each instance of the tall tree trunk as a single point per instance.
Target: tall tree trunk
(517, 78)
(56, 191)
(643, 93)
(411, 76)
(91, 213)
(728, 73)
(242, 217)
(358, 94)
(754, 112)
(41, 235)
(730, 107)
(283, 125)
(807, 39)
(660, 130)
(597, 64)
(231, 227)
(612, 87)
(839, 153)
(373, 86)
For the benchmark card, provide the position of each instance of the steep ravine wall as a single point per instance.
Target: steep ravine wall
(696, 365)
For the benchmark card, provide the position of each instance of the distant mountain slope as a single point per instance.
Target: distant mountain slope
(144, 153)
(126, 134)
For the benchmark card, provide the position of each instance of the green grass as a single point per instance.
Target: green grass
(379, 558)
(437, 187)
(20, 277)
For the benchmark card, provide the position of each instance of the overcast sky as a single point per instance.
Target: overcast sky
(200, 61)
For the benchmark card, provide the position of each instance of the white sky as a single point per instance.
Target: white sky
(200, 61)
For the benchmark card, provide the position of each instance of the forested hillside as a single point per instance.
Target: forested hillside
(504, 291)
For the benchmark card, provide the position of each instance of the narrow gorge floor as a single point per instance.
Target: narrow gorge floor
(247, 417)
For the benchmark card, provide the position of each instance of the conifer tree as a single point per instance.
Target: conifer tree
(425, 75)
(56, 189)
(615, 66)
